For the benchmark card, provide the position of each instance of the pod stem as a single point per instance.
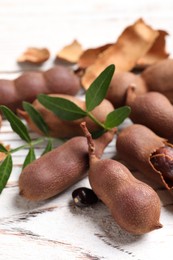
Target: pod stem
(91, 146)
(131, 93)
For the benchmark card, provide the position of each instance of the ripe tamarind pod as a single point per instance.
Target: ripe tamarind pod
(145, 151)
(159, 77)
(67, 129)
(60, 168)
(59, 79)
(134, 205)
(118, 87)
(153, 110)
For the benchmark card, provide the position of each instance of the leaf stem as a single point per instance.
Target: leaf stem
(37, 141)
(95, 120)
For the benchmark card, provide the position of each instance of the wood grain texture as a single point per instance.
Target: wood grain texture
(55, 229)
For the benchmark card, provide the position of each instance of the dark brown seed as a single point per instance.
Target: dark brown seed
(83, 197)
(162, 160)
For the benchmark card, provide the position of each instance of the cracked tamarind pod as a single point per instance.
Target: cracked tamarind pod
(134, 205)
(26, 87)
(151, 109)
(159, 77)
(63, 128)
(148, 153)
(60, 168)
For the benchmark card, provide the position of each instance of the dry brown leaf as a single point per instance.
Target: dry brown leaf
(156, 53)
(3, 155)
(70, 53)
(133, 43)
(34, 55)
(89, 56)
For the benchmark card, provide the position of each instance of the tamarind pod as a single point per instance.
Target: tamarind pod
(153, 110)
(159, 77)
(137, 144)
(67, 129)
(118, 87)
(60, 168)
(28, 85)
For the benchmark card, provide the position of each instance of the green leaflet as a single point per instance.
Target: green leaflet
(36, 117)
(29, 158)
(16, 124)
(62, 107)
(98, 89)
(3, 149)
(5, 171)
(117, 116)
(48, 147)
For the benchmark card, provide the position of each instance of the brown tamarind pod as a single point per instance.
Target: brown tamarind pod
(134, 205)
(67, 129)
(26, 87)
(60, 168)
(118, 87)
(153, 110)
(159, 77)
(145, 151)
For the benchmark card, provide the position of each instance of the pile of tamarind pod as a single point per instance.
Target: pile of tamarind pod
(66, 129)
(27, 86)
(148, 153)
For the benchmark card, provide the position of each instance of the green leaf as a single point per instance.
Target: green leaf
(36, 117)
(62, 107)
(48, 147)
(16, 124)
(5, 171)
(98, 89)
(29, 158)
(3, 149)
(117, 116)
(98, 133)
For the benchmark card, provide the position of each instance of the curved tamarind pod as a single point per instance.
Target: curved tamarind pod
(150, 154)
(153, 110)
(26, 87)
(118, 87)
(60, 168)
(67, 129)
(159, 77)
(134, 205)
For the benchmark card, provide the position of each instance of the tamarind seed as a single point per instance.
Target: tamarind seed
(162, 160)
(83, 197)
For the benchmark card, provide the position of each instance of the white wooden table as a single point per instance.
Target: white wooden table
(55, 229)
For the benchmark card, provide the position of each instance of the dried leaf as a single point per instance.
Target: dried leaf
(3, 155)
(70, 53)
(133, 43)
(34, 55)
(89, 56)
(156, 53)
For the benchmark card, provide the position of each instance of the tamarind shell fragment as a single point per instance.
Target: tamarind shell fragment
(137, 145)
